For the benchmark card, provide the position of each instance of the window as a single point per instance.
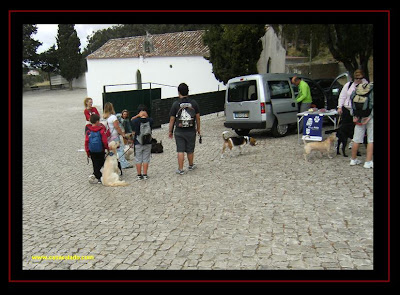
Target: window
(317, 94)
(242, 91)
(279, 89)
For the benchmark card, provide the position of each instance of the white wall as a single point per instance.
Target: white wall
(195, 71)
(272, 48)
(80, 82)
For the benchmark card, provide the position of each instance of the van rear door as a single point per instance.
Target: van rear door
(283, 104)
(242, 103)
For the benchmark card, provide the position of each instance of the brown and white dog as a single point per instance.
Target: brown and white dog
(325, 146)
(238, 141)
(110, 171)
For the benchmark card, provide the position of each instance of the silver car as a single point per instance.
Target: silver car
(261, 101)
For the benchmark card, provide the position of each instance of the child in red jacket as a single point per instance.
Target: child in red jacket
(95, 146)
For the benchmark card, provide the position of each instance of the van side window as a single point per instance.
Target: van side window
(242, 91)
(279, 89)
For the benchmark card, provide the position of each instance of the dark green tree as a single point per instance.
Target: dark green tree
(30, 45)
(352, 44)
(234, 49)
(69, 56)
(49, 62)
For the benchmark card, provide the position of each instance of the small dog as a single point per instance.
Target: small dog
(239, 141)
(323, 146)
(345, 131)
(110, 171)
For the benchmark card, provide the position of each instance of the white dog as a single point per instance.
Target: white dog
(110, 171)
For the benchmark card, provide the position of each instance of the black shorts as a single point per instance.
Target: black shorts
(185, 141)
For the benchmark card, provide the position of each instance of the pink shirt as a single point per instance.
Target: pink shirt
(344, 97)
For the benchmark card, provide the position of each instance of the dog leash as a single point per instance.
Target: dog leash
(340, 117)
(121, 155)
(127, 150)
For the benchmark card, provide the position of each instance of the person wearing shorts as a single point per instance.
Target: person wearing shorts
(358, 138)
(142, 158)
(364, 124)
(142, 151)
(185, 136)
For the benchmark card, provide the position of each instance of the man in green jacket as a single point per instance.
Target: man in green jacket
(304, 96)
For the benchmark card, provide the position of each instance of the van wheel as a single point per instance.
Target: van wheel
(279, 130)
(242, 132)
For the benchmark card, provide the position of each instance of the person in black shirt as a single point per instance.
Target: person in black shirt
(185, 117)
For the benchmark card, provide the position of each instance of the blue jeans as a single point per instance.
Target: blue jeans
(120, 151)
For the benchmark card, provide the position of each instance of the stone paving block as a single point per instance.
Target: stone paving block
(253, 211)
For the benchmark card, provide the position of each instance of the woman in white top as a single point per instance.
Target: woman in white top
(115, 131)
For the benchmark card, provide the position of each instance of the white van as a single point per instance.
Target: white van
(261, 101)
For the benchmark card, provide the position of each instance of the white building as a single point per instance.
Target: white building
(273, 56)
(167, 59)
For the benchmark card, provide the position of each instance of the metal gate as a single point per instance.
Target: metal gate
(131, 99)
(209, 102)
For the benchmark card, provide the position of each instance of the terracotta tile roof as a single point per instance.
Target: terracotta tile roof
(169, 44)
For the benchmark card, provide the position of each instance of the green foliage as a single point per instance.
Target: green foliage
(351, 44)
(234, 49)
(49, 60)
(68, 52)
(29, 45)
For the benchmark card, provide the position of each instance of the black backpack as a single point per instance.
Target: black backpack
(185, 117)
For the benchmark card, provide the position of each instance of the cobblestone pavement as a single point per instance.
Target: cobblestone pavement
(265, 209)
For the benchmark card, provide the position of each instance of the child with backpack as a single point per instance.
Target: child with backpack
(142, 127)
(95, 146)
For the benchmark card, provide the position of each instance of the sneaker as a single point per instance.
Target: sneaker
(99, 181)
(369, 165)
(180, 172)
(145, 177)
(354, 162)
(127, 167)
(92, 179)
(192, 167)
(139, 177)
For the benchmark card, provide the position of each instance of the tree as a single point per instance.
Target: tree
(49, 62)
(30, 45)
(351, 44)
(68, 52)
(234, 49)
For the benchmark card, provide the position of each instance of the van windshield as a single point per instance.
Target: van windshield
(242, 91)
